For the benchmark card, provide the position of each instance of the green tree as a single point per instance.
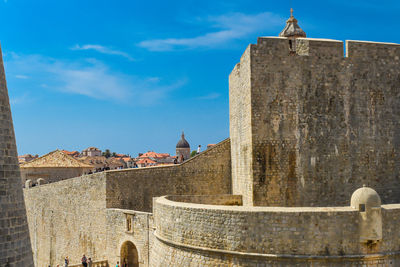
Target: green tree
(194, 152)
(114, 154)
(107, 153)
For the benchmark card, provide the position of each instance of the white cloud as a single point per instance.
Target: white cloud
(103, 50)
(210, 96)
(23, 77)
(91, 78)
(231, 27)
(22, 99)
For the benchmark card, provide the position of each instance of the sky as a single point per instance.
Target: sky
(131, 75)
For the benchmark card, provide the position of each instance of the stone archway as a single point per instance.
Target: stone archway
(129, 254)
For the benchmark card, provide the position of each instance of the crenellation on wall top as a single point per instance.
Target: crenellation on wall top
(371, 50)
(325, 48)
(283, 46)
(272, 42)
(372, 42)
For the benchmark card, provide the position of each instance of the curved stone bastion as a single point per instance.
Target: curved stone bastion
(218, 231)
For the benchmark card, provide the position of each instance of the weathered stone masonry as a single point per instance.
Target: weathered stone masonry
(220, 234)
(88, 214)
(15, 248)
(309, 128)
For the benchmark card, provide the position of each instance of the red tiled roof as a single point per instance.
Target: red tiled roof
(126, 159)
(70, 152)
(146, 160)
(152, 154)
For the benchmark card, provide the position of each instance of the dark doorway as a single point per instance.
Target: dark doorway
(129, 255)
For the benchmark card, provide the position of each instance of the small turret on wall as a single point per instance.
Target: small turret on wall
(367, 201)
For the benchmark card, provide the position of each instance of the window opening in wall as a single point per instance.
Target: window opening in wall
(361, 207)
(292, 47)
(128, 223)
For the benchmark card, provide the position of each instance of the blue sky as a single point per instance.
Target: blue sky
(131, 75)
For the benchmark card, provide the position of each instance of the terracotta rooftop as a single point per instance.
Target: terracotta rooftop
(70, 152)
(55, 159)
(126, 159)
(152, 154)
(145, 161)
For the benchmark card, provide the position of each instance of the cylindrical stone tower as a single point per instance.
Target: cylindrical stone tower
(15, 246)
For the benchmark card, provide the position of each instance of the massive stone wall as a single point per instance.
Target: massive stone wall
(15, 248)
(322, 124)
(208, 173)
(68, 218)
(212, 235)
(85, 215)
(240, 128)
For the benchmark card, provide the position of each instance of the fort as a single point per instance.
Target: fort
(308, 177)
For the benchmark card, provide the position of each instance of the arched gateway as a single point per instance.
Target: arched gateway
(129, 254)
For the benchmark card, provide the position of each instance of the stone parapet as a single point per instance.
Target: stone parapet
(228, 234)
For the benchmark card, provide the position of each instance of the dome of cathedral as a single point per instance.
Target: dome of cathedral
(182, 143)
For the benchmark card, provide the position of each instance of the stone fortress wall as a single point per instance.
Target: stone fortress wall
(88, 214)
(15, 248)
(310, 126)
(67, 217)
(217, 234)
(204, 174)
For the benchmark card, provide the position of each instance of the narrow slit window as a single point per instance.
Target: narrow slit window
(128, 223)
(361, 207)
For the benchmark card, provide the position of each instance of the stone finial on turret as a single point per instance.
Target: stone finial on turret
(292, 29)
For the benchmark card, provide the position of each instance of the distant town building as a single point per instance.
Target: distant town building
(91, 152)
(102, 163)
(52, 167)
(130, 162)
(182, 149)
(26, 158)
(72, 153)
(146, 162)
(152, 158)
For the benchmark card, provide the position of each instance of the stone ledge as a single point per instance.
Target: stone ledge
(278, 256)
